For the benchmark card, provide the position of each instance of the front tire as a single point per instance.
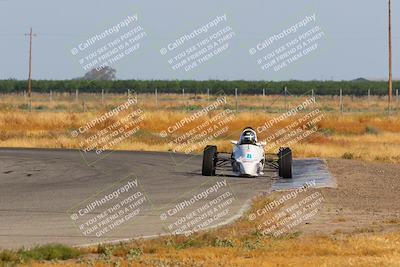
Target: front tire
(209, 161)
(285, 162)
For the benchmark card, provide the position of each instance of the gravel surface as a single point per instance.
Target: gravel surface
(366, 199)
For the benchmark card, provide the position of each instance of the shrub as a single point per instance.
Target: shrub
(223, 243)
(23, 106)
(9, 258)
(371, 130)
(135, 252)
(51, 252)
(41, 107)
(347, 155)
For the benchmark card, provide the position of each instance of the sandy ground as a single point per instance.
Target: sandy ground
(366, 199)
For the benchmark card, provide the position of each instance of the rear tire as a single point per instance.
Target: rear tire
(285, 162)
(209, 161)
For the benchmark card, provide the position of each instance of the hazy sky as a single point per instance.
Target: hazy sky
(354, 41)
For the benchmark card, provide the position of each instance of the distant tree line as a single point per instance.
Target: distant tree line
(294, 87)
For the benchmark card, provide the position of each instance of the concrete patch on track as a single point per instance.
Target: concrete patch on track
(306, 170)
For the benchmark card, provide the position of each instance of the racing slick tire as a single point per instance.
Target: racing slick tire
(209, 161)
(285, 162)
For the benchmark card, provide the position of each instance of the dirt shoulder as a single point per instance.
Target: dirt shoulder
(366, 199)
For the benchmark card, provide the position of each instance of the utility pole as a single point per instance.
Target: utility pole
(286, 107)
(236, 100)
(369, 97)
(30, 34)
(263, 99)
(183, 97)
(390, 55)
(156, 94)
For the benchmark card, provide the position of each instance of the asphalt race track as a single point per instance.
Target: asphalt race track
(42, 191)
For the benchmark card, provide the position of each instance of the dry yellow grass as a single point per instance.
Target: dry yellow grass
(271, 103)
(367, 135)
(363, 137)
(318, 251)
(241, 245)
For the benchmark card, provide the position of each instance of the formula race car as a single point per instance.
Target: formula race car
(247, 158)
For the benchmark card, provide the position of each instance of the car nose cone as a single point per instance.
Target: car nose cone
(249, 168)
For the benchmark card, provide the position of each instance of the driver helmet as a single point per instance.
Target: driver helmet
(248, 136)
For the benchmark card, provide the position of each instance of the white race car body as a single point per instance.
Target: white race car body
(248, 157)
(248, 160)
